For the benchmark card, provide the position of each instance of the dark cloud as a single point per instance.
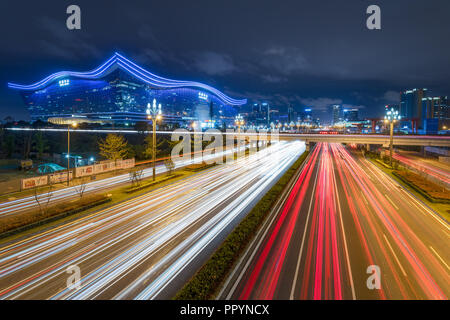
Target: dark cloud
(214, 63)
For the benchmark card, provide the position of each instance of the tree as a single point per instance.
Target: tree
(40, 144)
(114, 147)
(27, 145)
(39, 124)
(81, 187)
(148, 152)
(169, 166)
(136, 176)
(10, 145)
(8, 119)
(42, 200)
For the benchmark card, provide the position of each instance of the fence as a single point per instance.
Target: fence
(59, 177)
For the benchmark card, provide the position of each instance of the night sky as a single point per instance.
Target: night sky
(305, 53)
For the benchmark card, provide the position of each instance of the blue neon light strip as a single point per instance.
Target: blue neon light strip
(136, 71)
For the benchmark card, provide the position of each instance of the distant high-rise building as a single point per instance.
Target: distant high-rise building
(436, 114)
(306, 115)
(291, 114)
(411, 105)
(265, 110)
(260, 114)
(256, 108)
(338, 114)
(351, 114)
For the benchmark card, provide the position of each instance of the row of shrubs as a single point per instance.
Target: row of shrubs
(211, 275)
(18, 222)
(152, 183)
(429, 190)
(199, 166)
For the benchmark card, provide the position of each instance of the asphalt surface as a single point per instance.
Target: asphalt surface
(340, 217)
(147, 247)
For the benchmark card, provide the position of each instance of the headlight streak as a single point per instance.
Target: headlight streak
(14, 206)
(402, 242)
(384, 211)
(125, 226)
(424, 166)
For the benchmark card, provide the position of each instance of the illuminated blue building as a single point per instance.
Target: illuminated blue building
(119, 91)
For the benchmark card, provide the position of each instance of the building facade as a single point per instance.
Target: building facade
(338, 114)
(411, 107)
(119, 91)
(351, 114)
(436, 114)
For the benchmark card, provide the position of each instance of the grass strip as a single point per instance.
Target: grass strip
(153, 183)
(431, 191)
(19, 222)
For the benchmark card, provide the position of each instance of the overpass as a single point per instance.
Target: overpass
(368, 139)
(403, 140)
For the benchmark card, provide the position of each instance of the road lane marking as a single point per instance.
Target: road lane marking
(424, 206)
(294, 282)
(347, 258)
(395, 256)
(264, 230)
(392, 202)
(442, 260)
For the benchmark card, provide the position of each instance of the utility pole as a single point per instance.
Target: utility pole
(391, 116)
(73, 124)
(154, 113)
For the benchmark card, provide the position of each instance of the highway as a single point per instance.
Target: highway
(70, 193)
(341, 215)
(146, 247)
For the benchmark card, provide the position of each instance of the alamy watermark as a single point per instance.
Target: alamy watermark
(74, 280)
(374, 280)
(230, 145)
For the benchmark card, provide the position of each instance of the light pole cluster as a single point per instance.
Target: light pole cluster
(391, 117)
(239, 121)
(74, 124)
(154, 113)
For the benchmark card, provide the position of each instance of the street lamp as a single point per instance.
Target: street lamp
(239, 121)
(74, 125)
(390, 117)
(154, 113)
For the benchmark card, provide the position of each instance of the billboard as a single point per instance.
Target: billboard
(34, 182)
(60, 177)
(84, 171)
(104, 166)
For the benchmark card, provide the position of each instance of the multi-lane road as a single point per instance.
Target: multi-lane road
(10, 207)
(146, 247)
(341, 226)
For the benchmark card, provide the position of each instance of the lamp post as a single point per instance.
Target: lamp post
(73, 124)
(239, 121)
(390, 117)
(154, 113)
